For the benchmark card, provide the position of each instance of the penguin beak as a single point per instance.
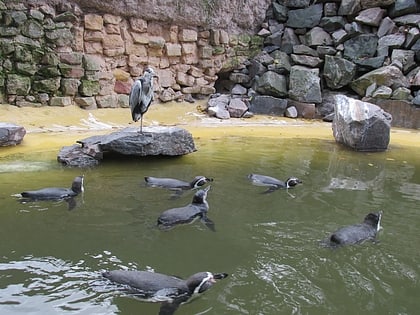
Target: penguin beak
(219, 276)
(212, 279)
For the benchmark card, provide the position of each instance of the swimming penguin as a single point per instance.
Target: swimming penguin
(176, 184)
(56, 193)
(273, 183)
(155, 287)
(357, 233)
(198, 208)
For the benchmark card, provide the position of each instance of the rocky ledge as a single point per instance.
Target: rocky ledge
(11, 134)
(168, 141)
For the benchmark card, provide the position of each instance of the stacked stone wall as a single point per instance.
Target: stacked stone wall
(312, 50)
(57, 55)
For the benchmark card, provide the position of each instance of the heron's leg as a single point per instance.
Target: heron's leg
(141, 124)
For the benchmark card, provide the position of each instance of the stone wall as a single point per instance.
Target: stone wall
(53, 53)
(313, 49)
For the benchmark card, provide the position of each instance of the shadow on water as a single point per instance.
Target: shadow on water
(268, 243)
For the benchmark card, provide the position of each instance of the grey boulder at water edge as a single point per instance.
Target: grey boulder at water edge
(11, 134)
(360, 125)
(153, 141)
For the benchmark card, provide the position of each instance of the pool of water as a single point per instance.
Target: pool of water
(51, 258)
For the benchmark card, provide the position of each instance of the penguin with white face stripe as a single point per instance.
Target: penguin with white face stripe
(198, 208)
(177, 185)
(273, 183)
(56, 193)
(156, 287)
(357, 233)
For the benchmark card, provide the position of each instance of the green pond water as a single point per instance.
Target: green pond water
(51, 258)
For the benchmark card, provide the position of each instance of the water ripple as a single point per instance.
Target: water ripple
(48, 285)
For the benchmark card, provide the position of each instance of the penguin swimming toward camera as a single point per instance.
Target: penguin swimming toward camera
(156, 287)
(198, 208)
(357, 233)
(56, 193)
(273, 183)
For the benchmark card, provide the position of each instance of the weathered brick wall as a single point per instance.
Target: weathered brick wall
(51, 56)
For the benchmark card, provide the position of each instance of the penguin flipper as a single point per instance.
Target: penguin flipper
(168, 308)
(209, 223)
(71, 202)
(177, 193)
(270, 190)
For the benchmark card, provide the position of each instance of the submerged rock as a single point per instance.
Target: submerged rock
(360, 125)
(169, 141)
(11, 134)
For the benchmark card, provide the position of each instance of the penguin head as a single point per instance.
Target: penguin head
(200, 181)
(201, 195)
(292, 182)
(202, 281)
(77, 185)
(374, 219)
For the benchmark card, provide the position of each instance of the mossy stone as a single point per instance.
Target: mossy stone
(89, 88)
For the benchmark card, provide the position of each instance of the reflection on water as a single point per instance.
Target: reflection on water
(268, 243)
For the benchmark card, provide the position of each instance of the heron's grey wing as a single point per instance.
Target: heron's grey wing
(147, 92)
(134, 100)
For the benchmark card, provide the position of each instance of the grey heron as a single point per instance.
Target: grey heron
(141, 95)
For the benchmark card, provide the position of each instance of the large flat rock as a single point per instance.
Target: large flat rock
(153, 141)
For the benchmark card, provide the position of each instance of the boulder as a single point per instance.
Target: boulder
(360, 125)
(332, 23)
(272, 83)
(237, 108)
(304, 110)
(305, 60)
(268, 105)
(338, 72)
(11, 134)
(79, 156)
(168, 141)
(217, 106)
(318, 37)
(305, 85)
(239, 90)
(360, 47)
(390, 76)
(281, 62)
(291, 112)
(371, 16)
(399, 8)
(306, 17)
(289, 40)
